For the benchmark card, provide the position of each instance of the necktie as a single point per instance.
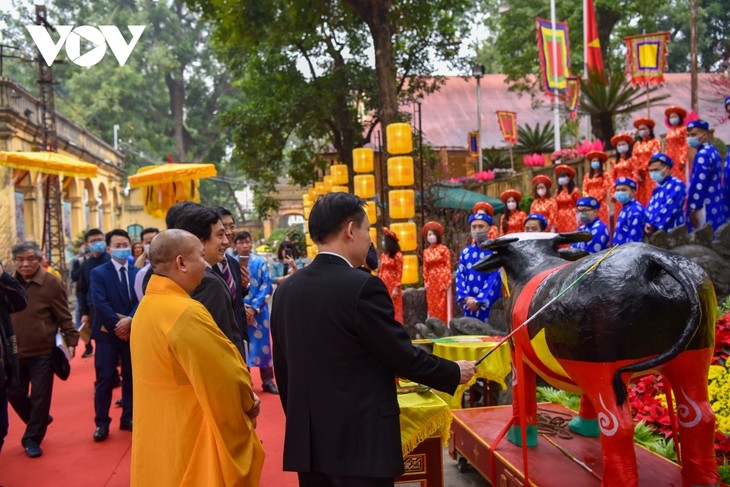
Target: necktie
(228, 277)
(125, 286)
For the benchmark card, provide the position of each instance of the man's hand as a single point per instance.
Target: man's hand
(85, 320)
(122, 328)
(245, 275)
(467, 369)
(472, 304)
(255, 410)
(72, 351)
(648, 229)
(250, 315)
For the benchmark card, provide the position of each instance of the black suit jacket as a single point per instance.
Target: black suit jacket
(213, 293)
(238, 308)
(337, 351)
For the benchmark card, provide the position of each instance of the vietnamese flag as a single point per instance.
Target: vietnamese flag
(592, 45)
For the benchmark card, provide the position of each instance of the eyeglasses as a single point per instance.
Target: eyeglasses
(30, 260)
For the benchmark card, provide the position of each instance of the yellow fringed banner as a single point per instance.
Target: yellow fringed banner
(422, 415)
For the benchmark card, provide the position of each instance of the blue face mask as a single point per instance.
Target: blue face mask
(595, 165)
(656, 176)
(121, 254)
(98, 247)
(693, 141)
(622, 197)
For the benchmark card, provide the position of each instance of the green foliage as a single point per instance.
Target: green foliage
(645, 436)
(277, 236)
(495, 158)
(535, 140)
(605, 102)
(556, 396)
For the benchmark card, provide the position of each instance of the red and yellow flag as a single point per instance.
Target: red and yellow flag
(646, 59)
(508, 126)
(554, 71)
(592, 50)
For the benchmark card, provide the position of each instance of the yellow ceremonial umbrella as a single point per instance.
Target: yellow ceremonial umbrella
(170, 183)
(48, 163)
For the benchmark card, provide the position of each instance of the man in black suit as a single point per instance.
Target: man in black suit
(337, 352)
(213, 293)
(230, 266)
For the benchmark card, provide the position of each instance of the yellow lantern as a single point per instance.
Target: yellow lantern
(406, 235)
(401, 203)
(362, 160)
(410, 270)
(400, 138)
(364, 185)
(400, 171)
(319, 186)
(327, 181)
(312, 192)
(312, 251)
(307, 200)
(339, 189)
(339, 174)
(374, 236)
(308, 239)
(307, 210)
(371, 210)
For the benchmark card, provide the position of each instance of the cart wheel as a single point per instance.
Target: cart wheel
(462, 465)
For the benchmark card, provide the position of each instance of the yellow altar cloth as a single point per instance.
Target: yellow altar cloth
(422, 415)
(471, 347)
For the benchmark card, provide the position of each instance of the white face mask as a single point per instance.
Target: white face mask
(643, 133)
(432, 239)
(511, 205)
(622, 148)
(562, 181)
(541, 191)
(674, 120)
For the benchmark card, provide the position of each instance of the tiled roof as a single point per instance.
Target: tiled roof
(450, 113)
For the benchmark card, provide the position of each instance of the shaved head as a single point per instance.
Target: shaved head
(178, 255)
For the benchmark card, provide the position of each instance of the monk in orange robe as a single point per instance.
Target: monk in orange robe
(194, 409)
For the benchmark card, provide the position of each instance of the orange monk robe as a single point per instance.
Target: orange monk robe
(678, 151)
(643, 150)
(191, 394)
(600, 188)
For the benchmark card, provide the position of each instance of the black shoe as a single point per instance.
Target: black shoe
(101, 433)
(271, 388)
(118, 403)
(124, 426)
(32, 449)
(89, 351)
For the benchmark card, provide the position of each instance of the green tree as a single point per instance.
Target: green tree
(306, 77)
(168, 97)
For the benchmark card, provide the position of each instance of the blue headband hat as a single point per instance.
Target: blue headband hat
(700, 124)
(481, 216)
(590, 202)
(626, 182)
(538, 217)
(663, 158)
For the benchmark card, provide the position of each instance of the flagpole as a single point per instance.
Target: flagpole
(585, 39)
(556, 101)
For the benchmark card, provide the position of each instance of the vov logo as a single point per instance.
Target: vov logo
(99, 38)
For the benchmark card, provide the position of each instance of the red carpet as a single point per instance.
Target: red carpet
(71, 457)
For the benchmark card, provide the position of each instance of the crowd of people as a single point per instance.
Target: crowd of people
(180, 317)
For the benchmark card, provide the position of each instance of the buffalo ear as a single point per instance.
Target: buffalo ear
(498, 243)
(489, 263)
(572, 254)
(572, 237)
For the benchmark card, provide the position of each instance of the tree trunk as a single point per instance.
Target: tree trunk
(375, 13)
(176, 88)
(602, 127)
